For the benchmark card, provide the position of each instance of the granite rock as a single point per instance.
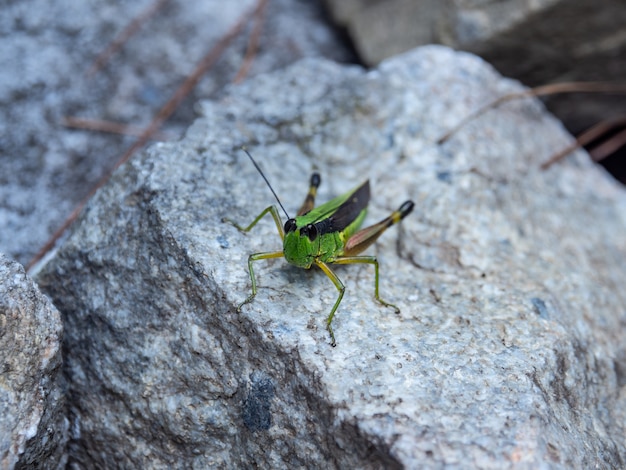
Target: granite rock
(509, 348)
(47, 52)
(383, 28)
(537, 42)
(33, 425)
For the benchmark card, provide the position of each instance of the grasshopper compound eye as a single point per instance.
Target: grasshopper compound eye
(309, 231)
(290, 225)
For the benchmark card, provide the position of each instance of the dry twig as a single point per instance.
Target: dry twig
(108, 126)
(253, 42)
(554, 88)
(165, 112)
(119, 41)
(586, 138)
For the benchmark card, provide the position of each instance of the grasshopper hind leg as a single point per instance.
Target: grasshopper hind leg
(362, 239)
(341, 288)
(309, 201)
(368, 260)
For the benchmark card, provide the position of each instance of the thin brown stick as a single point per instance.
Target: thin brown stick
(121, 38)
(190, 82)
(585, 138)
(205, 64)
(552, 89)
(110, 127)
(253, 42)
(608, 147)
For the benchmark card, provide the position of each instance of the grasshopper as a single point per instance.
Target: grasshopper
(325, 235)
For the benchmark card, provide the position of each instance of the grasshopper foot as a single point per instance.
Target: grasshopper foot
(247, 301)
(333, 343)
(226, 220)
(390, 305)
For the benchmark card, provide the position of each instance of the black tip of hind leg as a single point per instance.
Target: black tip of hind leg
(405, 209)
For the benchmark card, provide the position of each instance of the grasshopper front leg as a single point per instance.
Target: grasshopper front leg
(258, 256)
(341, 288)
(273, 212)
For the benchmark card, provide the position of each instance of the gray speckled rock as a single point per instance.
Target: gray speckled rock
(45, 52)
(537, 42)
(381, 29)
(508, 351)
(33, 425)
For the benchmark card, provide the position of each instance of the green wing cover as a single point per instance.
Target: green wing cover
(338, 213)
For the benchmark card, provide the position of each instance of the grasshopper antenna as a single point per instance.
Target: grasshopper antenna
(266, 181)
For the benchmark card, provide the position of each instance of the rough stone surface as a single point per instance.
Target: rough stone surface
(536, 42)
(383, 28)
(47, 49)
(569, 41)
(509, 349)
(33, 426)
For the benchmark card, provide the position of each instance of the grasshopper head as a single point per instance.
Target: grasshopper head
(298, 244)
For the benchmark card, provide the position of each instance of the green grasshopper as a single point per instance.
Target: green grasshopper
(325, 235)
